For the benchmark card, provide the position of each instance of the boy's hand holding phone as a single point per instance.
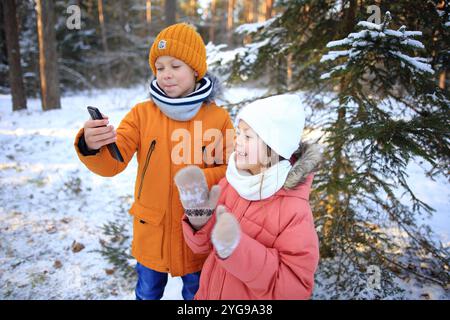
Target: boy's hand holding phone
(97, 133)
(198, 202)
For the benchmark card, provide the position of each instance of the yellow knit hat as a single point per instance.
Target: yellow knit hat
(180, 41)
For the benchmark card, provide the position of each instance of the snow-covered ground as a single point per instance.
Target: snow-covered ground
(48, 200)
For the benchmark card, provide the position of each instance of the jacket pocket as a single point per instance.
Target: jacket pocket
(153, 216)
(148, 231)
(144, 170)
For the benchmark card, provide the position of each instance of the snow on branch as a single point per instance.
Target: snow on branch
(249, 28)
(332, 55)
(415, 62)
(378, 35)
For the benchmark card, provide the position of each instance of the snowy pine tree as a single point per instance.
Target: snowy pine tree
(388, 113)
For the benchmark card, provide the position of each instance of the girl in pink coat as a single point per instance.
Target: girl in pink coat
(261, 241)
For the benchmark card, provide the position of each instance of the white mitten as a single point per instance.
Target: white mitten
(226, 233)
(197, 201)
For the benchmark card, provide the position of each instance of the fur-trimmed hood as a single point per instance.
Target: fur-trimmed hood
(307, 159)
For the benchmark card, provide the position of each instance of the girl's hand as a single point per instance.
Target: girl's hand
(97, 133)
(198, 202)
(226, 233)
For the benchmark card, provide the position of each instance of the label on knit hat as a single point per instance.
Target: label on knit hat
(162, 44)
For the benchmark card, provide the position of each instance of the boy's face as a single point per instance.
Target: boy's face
(174, 76)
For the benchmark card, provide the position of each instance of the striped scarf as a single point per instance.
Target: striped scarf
(185, 108)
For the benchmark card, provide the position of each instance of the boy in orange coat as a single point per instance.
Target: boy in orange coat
(167, 132)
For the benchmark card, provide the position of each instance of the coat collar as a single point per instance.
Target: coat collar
(304, 162)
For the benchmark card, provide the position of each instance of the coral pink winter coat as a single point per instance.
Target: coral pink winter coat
(278, 252)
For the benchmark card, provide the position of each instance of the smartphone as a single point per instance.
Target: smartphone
(112, 147)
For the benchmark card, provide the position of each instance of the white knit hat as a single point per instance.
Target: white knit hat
(278, 121)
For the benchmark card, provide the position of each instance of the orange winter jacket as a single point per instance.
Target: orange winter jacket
(158, 241)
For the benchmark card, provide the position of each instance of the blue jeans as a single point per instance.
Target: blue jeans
(151, 284)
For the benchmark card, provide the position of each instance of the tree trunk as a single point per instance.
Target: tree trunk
(443, 75)
(249, 11)
(171, 11)
(443, 80)
(350, 16)
(269, 6)
(255, 10)
(248, 18)
(18, 94)
(261, 11)
(230, 16)
(101, 20)
(193, 8)
(48, 57)
(289, 71)
(335, 197)
(148, 11)
(212, 26)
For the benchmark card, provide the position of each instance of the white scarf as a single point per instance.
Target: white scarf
(249, 186)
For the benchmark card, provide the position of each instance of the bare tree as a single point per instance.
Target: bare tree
(148, 11)
(170, 11)
(230, 18)
(212, 26)
(269, 6)
(18, 94)
(101, 19)
(249, 11)
(255, 10)
(441, 5)
(48, 57)
(193, 6)
(262, 11)
(443, 79)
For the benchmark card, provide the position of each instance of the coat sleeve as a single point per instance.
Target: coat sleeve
(214, 174)
(199, 241)
(102, 163)
(285, 271)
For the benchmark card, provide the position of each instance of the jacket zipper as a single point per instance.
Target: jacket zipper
(149, 155)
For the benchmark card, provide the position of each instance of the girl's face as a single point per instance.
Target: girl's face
(250, 150)
(174, 76)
